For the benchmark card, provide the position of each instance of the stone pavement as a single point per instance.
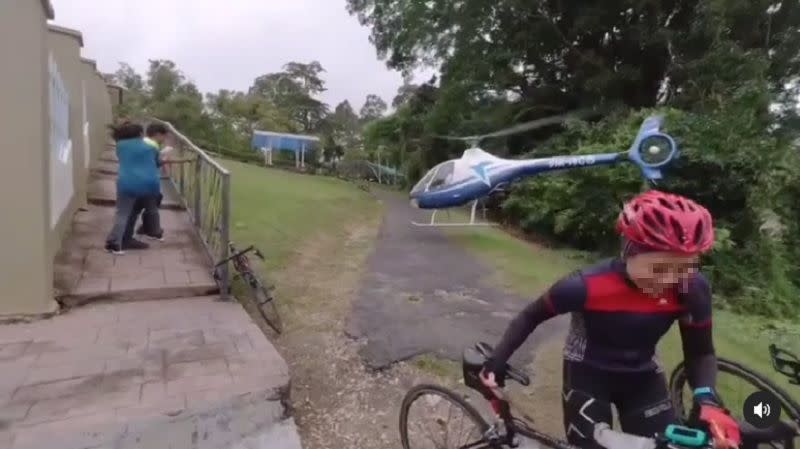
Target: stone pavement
(84, 272)
(181, 373)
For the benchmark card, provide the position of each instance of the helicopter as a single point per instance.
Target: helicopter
(477, 173)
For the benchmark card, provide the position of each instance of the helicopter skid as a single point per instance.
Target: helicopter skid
(445, 225)
(471, 222)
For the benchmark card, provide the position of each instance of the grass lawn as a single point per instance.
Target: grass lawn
(527, 269)
(277, 210)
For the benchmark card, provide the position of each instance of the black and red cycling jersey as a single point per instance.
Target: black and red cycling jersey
(615, 327)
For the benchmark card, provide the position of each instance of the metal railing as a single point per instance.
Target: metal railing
(204, 188)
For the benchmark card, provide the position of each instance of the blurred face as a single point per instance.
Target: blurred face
(160, 138)
(656, 272)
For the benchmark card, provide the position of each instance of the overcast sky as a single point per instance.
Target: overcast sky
(227, 43)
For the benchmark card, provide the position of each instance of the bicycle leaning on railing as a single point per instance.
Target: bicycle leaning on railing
(261, 292)
(506, 427)
(783, 434)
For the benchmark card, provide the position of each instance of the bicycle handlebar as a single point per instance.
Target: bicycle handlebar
(513, 373)
(785, 362)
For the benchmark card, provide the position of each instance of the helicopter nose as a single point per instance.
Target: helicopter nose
(414, 203)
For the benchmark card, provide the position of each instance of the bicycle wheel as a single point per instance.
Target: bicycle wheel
(429, 397)
(265, 303)
(681, 394)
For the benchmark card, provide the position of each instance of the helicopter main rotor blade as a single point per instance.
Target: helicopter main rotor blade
(527, 126)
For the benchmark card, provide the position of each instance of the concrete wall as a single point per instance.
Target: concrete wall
(66, 46)
(99, 106)
(116, 93)
(107, 114)
(34, 172)
(26, 261)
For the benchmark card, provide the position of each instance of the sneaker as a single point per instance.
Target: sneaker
(134, 244)
(114, 248)
(159, 237)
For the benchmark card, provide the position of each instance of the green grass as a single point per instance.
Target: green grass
(743, 339)
(278, 211)
(522, 267)
(527, 269)
(438, 366)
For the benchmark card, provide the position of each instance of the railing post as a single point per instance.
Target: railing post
(225, 233)
(180, 176)
(197, 197)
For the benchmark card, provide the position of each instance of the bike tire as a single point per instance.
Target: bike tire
(419, 390)
(677, 382)
(265, 303)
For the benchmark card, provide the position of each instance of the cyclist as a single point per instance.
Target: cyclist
(620, 310)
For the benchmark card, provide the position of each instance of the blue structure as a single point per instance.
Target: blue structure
(268, 142)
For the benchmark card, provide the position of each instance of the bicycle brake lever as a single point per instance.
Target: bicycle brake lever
(258, 254)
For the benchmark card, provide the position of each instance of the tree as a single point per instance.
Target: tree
(330, 149)
(292, 91)
(404, 93)
(344, 126)
(163, 79)
(374, 108)
(307, 76)
(127, 77)
(725, 70)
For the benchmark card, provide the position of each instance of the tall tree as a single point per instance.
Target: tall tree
(163, 79)
(307, 76)
(292, 91)
(374, 108)
(345, 126)
(404, 93)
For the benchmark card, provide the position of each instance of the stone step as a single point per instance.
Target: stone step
(192, 373)
(174, 268)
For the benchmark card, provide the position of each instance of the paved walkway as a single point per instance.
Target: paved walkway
(162, 369)
(148, 374)
(424, 294)
(84, 272)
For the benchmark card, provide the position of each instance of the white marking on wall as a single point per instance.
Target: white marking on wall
(87, 154)
(61, 189)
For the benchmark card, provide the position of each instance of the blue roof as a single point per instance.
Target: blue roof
(282, 141)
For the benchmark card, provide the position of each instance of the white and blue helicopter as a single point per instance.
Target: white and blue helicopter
(477, 174)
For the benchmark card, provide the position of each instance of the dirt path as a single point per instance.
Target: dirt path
(337, 401)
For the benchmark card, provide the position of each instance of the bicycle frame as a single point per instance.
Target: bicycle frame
(502, 405)
(506, 428)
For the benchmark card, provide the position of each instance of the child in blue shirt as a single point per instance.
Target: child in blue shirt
(138, 182)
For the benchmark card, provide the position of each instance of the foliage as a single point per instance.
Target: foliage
(724, 72)
(224, 121)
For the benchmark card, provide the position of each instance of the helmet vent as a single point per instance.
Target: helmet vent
(662, 220)
(678, 230)
(698, 232)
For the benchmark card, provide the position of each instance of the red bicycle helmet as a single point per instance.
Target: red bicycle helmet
(667, 222)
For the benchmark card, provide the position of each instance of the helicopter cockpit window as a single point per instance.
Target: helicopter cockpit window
(443, 176)
(420, 186)
(437, 176)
